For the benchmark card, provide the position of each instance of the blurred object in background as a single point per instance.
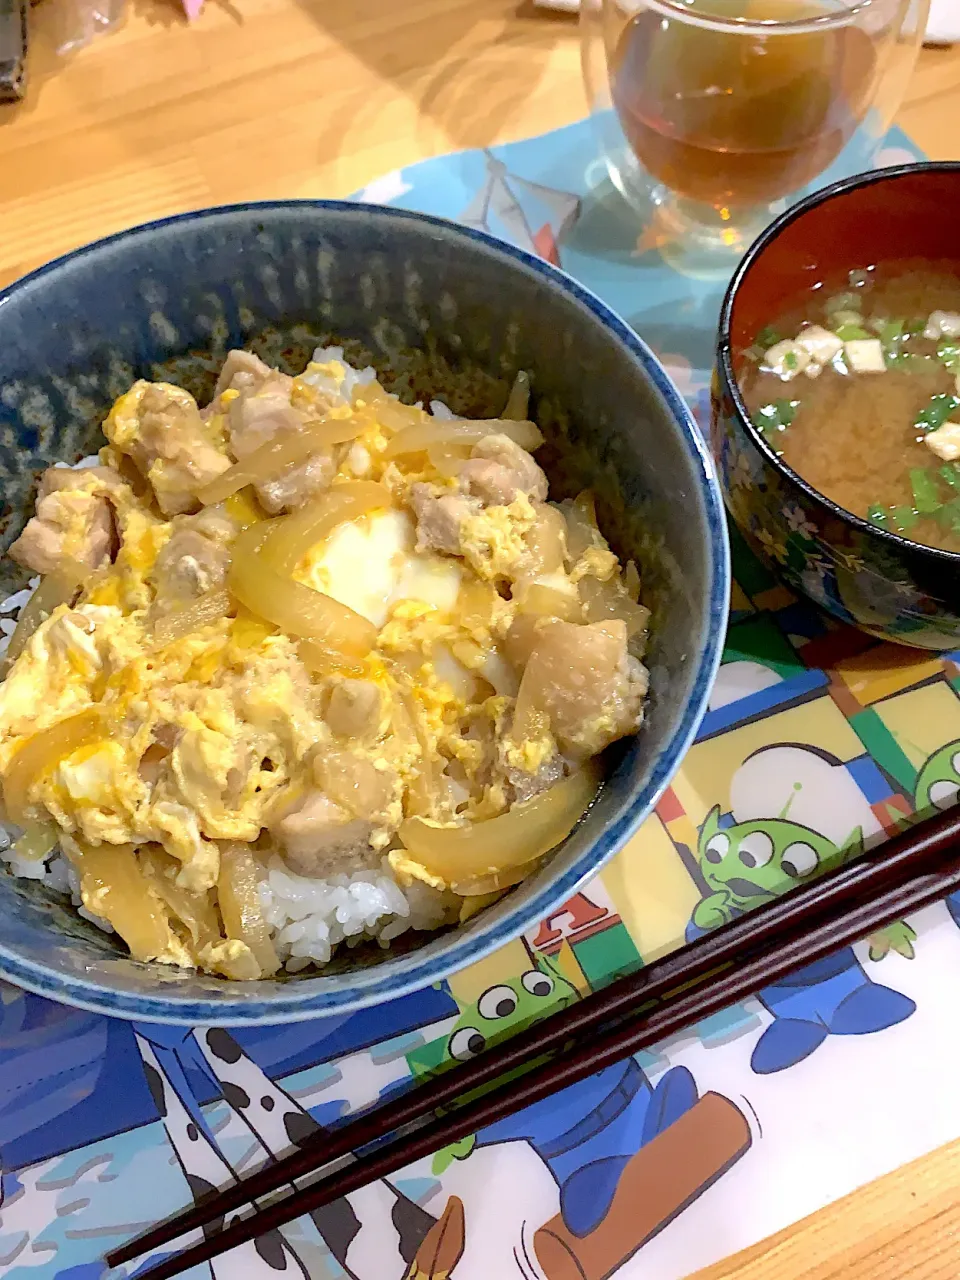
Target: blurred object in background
(942, 28)
(944, 24)
(13, 49)
(78, 21)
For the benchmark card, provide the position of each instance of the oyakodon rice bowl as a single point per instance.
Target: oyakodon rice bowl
(306, 667)
(442, 312)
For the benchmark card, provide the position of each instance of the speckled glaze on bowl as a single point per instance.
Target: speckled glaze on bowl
(168, 300)
(886, 585)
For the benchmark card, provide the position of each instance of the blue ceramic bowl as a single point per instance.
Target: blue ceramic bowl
(444, 311)
(885, 584)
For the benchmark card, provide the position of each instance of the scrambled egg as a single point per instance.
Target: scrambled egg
(162, 712)
(493, 540)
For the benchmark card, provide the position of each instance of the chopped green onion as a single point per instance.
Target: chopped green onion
(951, 473)
(768, 337)
(949, 515)
(913, 328)
(937, 411)
(771, 418)
(888, 331)
(877, 515)
(790, 361)
(851, 333)
(903, 518)
(926, 492)
(949, 353)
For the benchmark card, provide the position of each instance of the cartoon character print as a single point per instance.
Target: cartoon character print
(938, 787)
(749, 859)
(625, 1154)
(71, 1080)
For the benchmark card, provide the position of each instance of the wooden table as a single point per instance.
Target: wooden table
(315, 97)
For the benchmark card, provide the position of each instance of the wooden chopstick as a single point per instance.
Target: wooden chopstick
(908, 872)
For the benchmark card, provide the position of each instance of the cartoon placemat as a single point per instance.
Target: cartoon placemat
(817, 740)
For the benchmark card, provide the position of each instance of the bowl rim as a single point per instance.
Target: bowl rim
(287, 1006)
(725, 349)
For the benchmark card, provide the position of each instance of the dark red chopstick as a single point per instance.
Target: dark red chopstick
(790, 932)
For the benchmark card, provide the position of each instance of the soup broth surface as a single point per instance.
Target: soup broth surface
(858, 390)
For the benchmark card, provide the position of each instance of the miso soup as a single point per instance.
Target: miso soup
(858, 390)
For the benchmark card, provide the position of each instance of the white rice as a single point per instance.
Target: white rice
(308, 917)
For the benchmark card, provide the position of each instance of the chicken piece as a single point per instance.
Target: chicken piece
(356, 784)
(519, 785)
(242, 371)
(196, 558)
(160, 428)
(74, 520)
(591, 689)
(297, 485)
(499, 470)
(439, 517)
(319, 838)
(354, 709)
(188, 567)
(263, 415)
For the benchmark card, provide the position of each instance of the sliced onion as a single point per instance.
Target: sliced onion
(292, 536)
(494, 886)
(423, 789)
(183, 622)
(112, 881)
(417, 438)
(475, 903)
(54, 590)
(238, 893)
(449, 457)
(605, 600)
(529, 720)
(542, 601)
(322, 661)
(195, 911)
(389, 411)
(279, 453)
(460, 854)
(38, 841)
(518, 401)
(581, 518)
(546, 543)
(521, 640)
(298, 610)
(41, 752)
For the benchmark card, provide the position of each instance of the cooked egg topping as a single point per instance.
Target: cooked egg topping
(309, 626)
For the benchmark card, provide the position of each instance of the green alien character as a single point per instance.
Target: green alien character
(753, 862)
(601, 1138)
(938, 782)
(501, 1011)
(750, 863)
(938, 787)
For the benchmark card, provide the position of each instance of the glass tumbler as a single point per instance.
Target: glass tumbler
(711, 113)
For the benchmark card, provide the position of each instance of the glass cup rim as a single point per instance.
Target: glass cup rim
(681, 12)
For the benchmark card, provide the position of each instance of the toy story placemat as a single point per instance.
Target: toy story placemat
(817, 741)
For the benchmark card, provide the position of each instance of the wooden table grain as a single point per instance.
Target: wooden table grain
(267, 98)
